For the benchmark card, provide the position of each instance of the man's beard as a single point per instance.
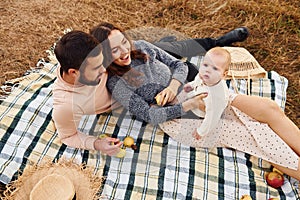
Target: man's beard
(83, 80)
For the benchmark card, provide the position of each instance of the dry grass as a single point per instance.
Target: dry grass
(29, 27)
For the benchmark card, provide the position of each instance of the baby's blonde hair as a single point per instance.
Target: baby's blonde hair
(223, 52)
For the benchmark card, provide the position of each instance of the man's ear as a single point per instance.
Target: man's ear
(73, 72)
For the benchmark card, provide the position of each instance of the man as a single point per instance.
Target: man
(80, 90)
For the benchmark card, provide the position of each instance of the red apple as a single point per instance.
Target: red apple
(275, 179)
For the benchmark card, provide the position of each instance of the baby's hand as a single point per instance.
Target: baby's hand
(196, 135)
(187, 87)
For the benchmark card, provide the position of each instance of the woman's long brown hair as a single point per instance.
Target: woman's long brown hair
(101, 33)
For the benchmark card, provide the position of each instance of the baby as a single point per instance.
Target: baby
(210, 80)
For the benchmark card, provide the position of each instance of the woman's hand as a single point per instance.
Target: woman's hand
(168, 94)
(195, 103)
(108, 145)
(165, 96)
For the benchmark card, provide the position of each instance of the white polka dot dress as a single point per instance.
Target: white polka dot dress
(238, 131)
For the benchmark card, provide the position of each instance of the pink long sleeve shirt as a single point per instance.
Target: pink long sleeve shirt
(71, 102)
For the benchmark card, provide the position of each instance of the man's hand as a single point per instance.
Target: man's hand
(108, 145)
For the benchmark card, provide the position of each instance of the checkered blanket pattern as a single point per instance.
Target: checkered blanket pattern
(161, 168)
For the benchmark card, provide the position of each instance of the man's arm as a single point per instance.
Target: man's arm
(67, 120)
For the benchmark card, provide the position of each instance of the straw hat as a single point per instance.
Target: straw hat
(244, 65)
(63, 180)
(61, 188)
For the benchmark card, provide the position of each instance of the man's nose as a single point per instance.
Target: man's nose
(102, 69)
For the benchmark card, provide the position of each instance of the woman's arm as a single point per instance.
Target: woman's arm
(140, 102)
(179, 69)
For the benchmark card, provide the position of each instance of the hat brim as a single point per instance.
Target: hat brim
(243, 64)
(53, 187)
(85, 183)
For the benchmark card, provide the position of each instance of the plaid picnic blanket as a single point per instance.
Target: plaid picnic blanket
(161, 168)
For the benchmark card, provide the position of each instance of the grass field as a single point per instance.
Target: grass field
(29, 27)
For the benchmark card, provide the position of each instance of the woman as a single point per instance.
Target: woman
(138, 86)
(135, 85)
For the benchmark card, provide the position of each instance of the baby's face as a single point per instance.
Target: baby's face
(212, 69)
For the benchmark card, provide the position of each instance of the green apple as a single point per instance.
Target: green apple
(121, 153)
(246, 197)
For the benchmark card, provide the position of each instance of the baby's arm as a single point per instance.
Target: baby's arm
(215, 103)
(188, 87)
(211, 116)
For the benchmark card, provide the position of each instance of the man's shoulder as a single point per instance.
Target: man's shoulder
(62, 94)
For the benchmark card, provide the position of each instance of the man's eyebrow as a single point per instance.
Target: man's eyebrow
(98, 66)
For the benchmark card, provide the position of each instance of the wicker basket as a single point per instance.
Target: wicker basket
(244, 66)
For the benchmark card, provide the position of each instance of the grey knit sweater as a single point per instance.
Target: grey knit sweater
(155, 75)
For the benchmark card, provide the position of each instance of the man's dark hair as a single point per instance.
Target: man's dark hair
(74, 47)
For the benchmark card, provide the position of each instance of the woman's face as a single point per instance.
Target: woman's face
(120, 48)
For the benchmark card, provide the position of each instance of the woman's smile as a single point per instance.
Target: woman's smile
(125, 58)
(121, 48)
